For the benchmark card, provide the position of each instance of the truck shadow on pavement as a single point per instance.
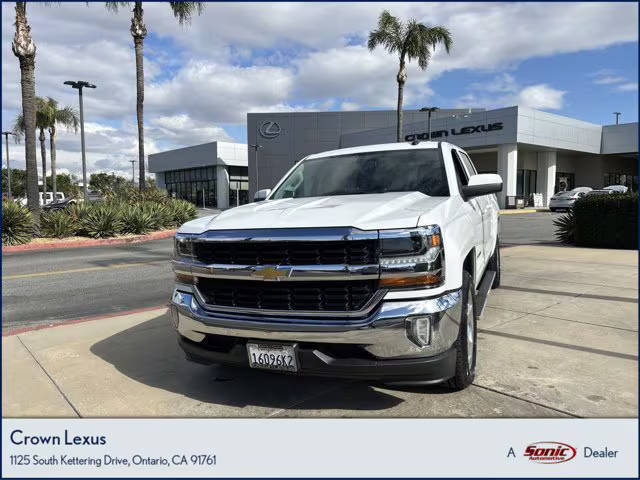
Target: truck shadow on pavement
(148, 353)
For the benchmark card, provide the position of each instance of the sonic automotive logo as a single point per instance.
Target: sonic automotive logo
(549, 452)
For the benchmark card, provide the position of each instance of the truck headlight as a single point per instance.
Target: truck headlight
(411, 258)
(183, 247)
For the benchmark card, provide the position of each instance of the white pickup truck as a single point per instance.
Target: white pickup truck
(371, 262)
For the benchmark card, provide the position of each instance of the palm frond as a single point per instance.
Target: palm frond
(116, 6)
(184, 11)
(388, 34)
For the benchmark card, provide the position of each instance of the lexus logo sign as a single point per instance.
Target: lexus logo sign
(269, 129)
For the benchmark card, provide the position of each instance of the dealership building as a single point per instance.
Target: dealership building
(533, 151)
(212, 175)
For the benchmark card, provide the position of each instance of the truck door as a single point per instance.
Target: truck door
(464, 171)
(489, 213)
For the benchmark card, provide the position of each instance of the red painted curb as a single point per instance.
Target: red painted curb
(18, 331)
(95, 242)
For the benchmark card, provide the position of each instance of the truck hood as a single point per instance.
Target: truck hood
(366, 212)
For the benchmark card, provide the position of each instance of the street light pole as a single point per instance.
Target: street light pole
(429, 111)
(6, 144)
(255, 148)
(79, 85)
(617, 114)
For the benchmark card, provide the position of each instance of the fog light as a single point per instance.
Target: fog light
(178, 298)
(419, 330)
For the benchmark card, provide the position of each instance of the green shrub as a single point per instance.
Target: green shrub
(136, 220)
(58, 224)
(102, 221)
(607, 221)
(78, 213)
(153, 194)
(17, 224)
(160, 214)
(182, 211)
(566, 227)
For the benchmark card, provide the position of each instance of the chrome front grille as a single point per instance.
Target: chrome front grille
(353, 252)
(285, 270)
(342, 296)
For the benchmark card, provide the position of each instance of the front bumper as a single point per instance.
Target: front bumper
(379, 346)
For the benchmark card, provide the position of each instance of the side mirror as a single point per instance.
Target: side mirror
(261, 195)
(482, 184)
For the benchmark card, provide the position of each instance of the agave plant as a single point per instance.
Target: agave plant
(102, 221)
(160, 213)
(58, 224)
(136, 220)
(566, 227)
(182, 211)
(17, 224)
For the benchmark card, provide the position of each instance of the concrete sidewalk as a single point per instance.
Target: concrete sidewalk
(559, 338)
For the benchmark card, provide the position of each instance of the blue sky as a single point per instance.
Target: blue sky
(574, 59)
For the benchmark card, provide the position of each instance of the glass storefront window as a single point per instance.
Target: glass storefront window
(526, 184)
(196, 185)
(564, 182)
(238, 186)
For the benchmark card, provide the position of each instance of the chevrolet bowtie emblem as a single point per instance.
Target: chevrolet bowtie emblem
(271, 274)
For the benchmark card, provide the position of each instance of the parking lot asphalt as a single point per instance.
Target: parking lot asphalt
(558, 339)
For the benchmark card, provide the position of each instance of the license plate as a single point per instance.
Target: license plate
(272, 357)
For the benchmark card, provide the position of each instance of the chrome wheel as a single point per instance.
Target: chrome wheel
(470, 331)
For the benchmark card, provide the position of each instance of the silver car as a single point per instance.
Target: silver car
(565, 200)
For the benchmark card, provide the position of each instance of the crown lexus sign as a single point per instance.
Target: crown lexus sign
(269, 129)
(491, 127)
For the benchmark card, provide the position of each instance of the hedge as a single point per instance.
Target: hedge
(607, 221)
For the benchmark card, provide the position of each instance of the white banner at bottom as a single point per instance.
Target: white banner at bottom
(319, 448)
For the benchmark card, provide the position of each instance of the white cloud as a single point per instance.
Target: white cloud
(628, 87)
(608, 79)
(541, 96)
(504, 90)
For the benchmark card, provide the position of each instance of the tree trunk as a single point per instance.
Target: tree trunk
(52, 149)
(43, 154)
(24, 48)
(139, 31)
(401, 78)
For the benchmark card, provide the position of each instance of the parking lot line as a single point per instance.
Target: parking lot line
(80, 270)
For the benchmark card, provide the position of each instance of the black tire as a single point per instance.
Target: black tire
(465, 363)
(552, 209)
(494, 264)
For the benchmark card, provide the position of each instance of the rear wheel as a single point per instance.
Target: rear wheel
(466, 347)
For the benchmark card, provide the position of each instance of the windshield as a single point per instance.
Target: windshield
(418, 170)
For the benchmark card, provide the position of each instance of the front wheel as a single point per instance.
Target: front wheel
(466, 348)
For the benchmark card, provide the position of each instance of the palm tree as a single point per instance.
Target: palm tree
(25, 49)
(67, 117)
(183, 11)
(20, 128)
(411, 40)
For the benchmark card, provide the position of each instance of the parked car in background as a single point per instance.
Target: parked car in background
(59, 197)
(601, 192)
(59, 205)
(565, 200)
(617, 188)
